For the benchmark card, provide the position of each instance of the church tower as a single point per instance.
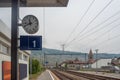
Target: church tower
(90, 58)
(90, 55)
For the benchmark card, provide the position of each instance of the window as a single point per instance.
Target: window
(4, 49)
(25, 57)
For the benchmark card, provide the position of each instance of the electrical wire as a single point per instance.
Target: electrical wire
(114, 37)
(101, 23)
(103, 34)
(100, 29)
(80, 20)
(91, 22)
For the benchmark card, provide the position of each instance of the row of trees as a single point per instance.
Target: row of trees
(36, 66)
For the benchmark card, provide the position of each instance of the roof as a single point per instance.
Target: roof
(76, 61)
(36, 3)
(91, 61)
(115, 61)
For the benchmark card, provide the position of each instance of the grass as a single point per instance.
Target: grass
(35, 76)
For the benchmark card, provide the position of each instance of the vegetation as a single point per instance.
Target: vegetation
(66, 66)
(37, 69)
(34, 76)
(82, 54)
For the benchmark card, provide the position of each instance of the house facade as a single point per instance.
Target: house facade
(116, 62)
(100, 63)
(5, 56)
(91, 63)
(73, 64)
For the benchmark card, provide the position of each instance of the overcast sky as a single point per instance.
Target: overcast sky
(81, 26)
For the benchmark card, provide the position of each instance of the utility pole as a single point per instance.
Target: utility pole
(85, 59)
(96, 50)
(63, 48)
(31, 64)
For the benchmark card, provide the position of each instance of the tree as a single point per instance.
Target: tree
(35, 66)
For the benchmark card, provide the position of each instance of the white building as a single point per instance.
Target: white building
(5, 47)
(100, 63)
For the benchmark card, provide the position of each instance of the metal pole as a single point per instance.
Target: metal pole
(96, 60)
(31, 64)
(85, 59)
(63, 48)
(40, 57)
(44, 60)
(14, 44)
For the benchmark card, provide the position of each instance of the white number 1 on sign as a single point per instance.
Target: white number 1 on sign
(34, 43)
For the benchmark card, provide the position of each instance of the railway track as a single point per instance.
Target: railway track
(61, 76)
(71, 75)
(92, 76)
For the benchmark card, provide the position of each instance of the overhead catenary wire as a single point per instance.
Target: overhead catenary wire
(114, 37)
(105, 41)
(100, 28)
(90, 22)
(93, 28)
(103, 34)
(100, 25)
(80, 21)
(118, 12)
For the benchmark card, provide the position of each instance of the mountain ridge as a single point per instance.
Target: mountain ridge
(56, 51)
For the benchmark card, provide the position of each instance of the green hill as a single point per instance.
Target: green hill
(52, 59)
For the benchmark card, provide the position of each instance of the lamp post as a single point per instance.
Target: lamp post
(96, 50)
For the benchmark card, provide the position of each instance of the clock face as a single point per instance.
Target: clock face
(30, 24)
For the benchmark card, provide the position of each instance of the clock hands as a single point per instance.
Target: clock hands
(30, 22)
(26, 24)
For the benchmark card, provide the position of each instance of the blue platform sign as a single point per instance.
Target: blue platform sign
(30, 42)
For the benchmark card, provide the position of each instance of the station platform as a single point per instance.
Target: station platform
(47, 75)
